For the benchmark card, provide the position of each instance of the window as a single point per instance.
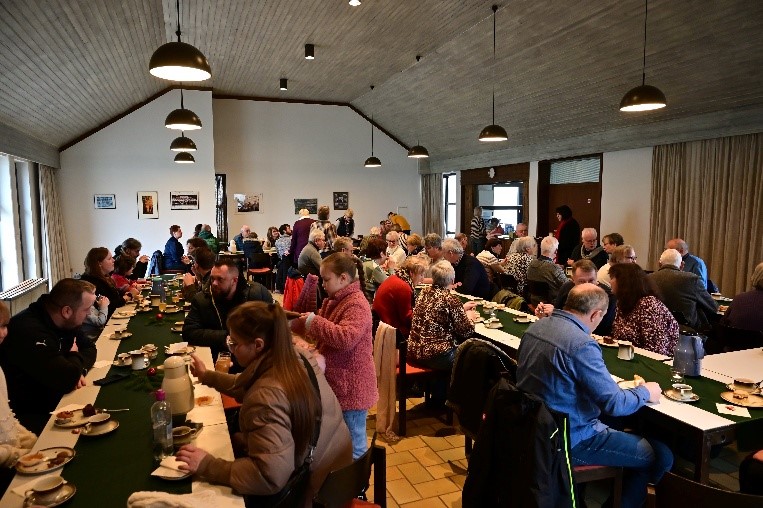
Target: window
(578, 170)
(221, 208)
(450, 193)
(503, 201)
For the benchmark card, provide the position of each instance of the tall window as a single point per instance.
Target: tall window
(449, 193)
(221, 208)
(503, 201)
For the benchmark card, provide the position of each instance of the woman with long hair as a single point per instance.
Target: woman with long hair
(279, 409)
(272, 235)
(99, 264)
(342, 332)
(568, 234)
(641, 317)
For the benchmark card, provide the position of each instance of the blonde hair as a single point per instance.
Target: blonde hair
(757, 277)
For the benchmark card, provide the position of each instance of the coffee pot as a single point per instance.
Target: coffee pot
(689, 352)
(178, 386)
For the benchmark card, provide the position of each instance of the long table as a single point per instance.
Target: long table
(108, 468)
(699, 422)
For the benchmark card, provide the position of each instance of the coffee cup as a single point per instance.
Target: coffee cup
(139, 360)
(684, 390)
(625, 350)
(124, 358)
(745, 385)
(46, 489)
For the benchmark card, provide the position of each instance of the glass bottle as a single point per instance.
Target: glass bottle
(161, 422)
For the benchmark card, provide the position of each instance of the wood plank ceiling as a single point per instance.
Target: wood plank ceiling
(67, 66)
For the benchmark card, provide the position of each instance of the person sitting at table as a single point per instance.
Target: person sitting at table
(343, 244)
(470, 274)
(15, 440)
(374, 232)
(415, 244)
(193, 244)
(611, 241)
(395, 252)
(252, 246)
(693, 264)
(198, 280)
(197, 230)
(131, 247)
(122, 274)
(745, 311)
(519, 261)
(543, 269)
(520, 232)
(489, 259)
(239, 238)
(394, 298)
(309, 260)
(324, 224)
(494, 229)
(98, 267)
(641, 317)
(464, 241)
(376, 267)
(271, 237)
(620, 254)
(346, 224)
(583, 272)
(560, 363)
(45, 354)
(205, 323)
(433, 247)
(589, 248)
(96, 318)
(683, 292)
(206, 235)
(174, 258)
(278, 413)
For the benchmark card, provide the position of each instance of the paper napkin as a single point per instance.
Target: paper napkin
(730, 409)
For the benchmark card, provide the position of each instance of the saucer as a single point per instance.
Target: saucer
(177, 329)
(124, 335)
(627, 384)
(51, 462)
(124, 313)
(183, 351)
(522, 320)
(676, 395)
(63, 494)
(99, 429)
(750, 401)
(605, 344)
(122, 363)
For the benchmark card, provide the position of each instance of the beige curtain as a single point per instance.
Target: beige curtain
(710, 193)
(55, 253)
(431, 204)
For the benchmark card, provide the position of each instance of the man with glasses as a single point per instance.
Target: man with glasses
(620, 254)
(131, 247)
(45, 354)
(471, 276)
(589, 248)
(394, 251)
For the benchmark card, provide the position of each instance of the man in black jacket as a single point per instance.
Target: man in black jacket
(45, 356)
(206, 324)
(470, 273)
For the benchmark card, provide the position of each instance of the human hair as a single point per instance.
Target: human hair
(586, 298)
(452, 245)
(548, 245)
(304, 212)
(415, 265)
(270, 234)
(632, 285)
(260, 320)
(232, 264)
(585, 265)
(174, 229)
(376, 246)
(283, 229)
(197, 229)
(393, 235)
(250, 236)
(492, 243)
(68, 293)
(443, 273)
(565, 211)
(349, 213)
(315, 234)
(494, 221)
(757, 277)
(124, 264)
(342, 242)
(5, 313)
(671, 257)
(620, 253)
(391, 214)
(339, 263)
(207, 228)
(460, 236)
(415, 240)
(396, 227)
(131, 243)
(589, 231)
(93, 266)
(433, 240)
(613, 238)
(477, 210)
(197, 243)
(374, 231)
(323, 212)
(525, 243)
(204, 258)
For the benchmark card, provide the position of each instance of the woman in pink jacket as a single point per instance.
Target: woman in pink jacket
(341, 330)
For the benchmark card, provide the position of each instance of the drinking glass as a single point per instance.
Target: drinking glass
(676, 375)
(223, 362)
(162, 306)
(176, 297)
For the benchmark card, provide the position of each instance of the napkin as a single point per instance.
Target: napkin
(177, 346)
(729, 409)
(22, 489)
(170, 467)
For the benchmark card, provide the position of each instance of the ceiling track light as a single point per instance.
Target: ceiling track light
(283, 84)
(493, 132)
(354, 3)
(372, 162)
(309, 52)
(418, 151)
(182, 144)
(184, 158)
(179, 61)
(182, 119)
(643, 97)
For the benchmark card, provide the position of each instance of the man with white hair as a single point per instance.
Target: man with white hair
(309, 260)
(239, 238)
(589, 248)
(543, 269)
(394, 251)
(470, 273)
(683, 292)
(692, 263)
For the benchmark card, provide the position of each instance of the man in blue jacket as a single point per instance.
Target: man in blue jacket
(561, 364)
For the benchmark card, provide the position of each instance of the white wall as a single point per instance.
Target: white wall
(287, 151)
(133, 155)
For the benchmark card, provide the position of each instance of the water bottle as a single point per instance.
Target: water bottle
(161, 421)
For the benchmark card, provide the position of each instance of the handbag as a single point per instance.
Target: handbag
(293, 493)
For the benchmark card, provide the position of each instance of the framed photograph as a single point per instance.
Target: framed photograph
(341, 200)
(104, 201)
(148, 205)
(310, 203)
(248, 202)
(184, 200)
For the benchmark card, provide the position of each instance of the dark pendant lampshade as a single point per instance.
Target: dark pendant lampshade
(183, 119)
(644, 97)
(372, 162)
(184, 158)
(183, 144)
(179, 61)
(418, 152)
(493, 132)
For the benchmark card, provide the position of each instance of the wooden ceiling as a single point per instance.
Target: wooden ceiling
(67, 66)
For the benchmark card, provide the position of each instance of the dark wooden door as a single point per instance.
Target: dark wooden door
(583, 198)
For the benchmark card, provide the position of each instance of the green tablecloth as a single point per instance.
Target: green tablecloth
(111, 467)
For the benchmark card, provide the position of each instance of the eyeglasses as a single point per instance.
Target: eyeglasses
(632, 258)
(231, 345)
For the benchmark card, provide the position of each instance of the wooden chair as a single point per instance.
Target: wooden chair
(258, 265)
(342, 487)
(674, 490)
(585, 474)
(537, 291)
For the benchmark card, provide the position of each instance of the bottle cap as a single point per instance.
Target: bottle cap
(159, 394)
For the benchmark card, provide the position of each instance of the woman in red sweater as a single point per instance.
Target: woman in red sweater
(395, 297)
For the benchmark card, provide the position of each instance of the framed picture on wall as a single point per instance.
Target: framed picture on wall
(248, 202)
(310, 203)
(104, 201)
(148, 205)
(184, 200)
(341, 200)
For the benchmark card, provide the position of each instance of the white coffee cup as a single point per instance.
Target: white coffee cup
(139, 360)
(625, 350)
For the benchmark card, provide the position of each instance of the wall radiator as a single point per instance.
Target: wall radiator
(19, 297)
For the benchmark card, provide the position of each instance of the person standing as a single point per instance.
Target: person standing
(568, 233)
(329, 230)
(401, 221)
(300, 233)
(477, 231)
(346, 224)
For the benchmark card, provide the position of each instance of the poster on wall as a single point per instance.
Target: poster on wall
(341, 200)
(148, 205)
(310, 203)
(104, 201)
(184, 200)
(248, 202)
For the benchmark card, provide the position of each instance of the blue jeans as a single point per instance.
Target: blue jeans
(356, 422)
(645, 460)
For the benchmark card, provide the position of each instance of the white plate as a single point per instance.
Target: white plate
(604, 344)
(119, 363)
(100, 429)
(124, 335)
(45, 466)
(676, 395)
(124, 313)
(65, 493)
(627, 384)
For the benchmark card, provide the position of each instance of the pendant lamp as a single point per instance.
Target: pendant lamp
(184, 158)
(418, 151)
(179, 61)
(493, 132)
(354, 3)
(644, 97)
(182, 119)
(182, 144)
(372, 162)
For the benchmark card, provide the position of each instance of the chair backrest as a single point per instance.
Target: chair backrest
(257, 260)
(727, 338)
(538, 291)
(509, 282)
(680, 317)
(156, 265)
(674, 490)
(343, 485)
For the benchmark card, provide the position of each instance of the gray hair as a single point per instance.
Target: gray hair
(524, 244)
(393, 235)
(315, 234)
(375, 230)
(433, 240)
(757, 277)
(671, 257)
(451, 244)
(620, 253)
(443, 274)
(342, 242)
(590, 231)
(548, 245)
(586, 298)
(207, 228)
(415, 265)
